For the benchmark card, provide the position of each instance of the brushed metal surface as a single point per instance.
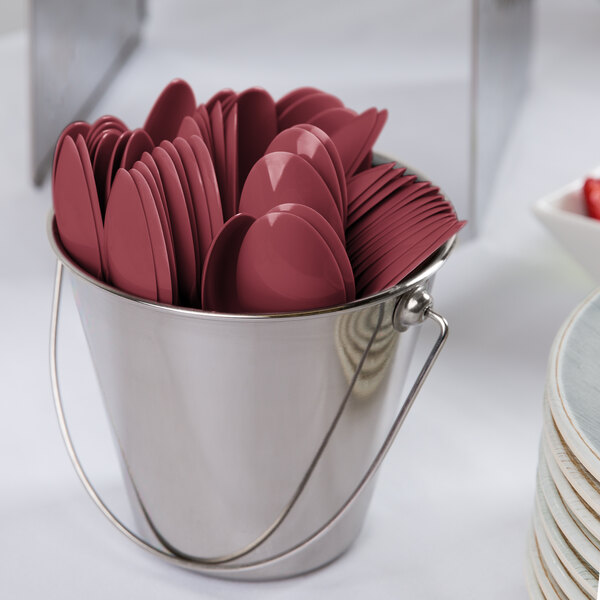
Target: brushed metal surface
(218, 420)
(75, 50)
(501, 49)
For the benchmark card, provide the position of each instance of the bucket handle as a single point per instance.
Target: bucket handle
(412, 308)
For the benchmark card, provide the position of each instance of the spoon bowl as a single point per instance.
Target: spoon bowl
(219, 288)
(307, 145)
(283, 177)
(175, 102)
(284, 265)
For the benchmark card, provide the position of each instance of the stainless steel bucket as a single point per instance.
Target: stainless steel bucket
(249, 443)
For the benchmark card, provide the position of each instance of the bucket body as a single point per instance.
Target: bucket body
(227, 425)
(219, 418)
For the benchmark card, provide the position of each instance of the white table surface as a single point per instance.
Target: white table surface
(451, 512)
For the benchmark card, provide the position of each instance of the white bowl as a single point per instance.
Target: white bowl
(563, 212)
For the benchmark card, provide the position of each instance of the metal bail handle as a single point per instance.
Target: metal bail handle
(412, 308)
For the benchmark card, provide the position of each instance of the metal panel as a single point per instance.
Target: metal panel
(75, 50)
(502, 32)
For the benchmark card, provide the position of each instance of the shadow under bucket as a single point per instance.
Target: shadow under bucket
(249, 443)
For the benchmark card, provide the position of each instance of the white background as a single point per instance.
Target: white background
(13, 15)
(450, 516)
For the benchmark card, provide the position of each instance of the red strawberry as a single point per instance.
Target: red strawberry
(591, 191)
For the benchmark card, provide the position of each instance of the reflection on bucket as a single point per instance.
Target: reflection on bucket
(353, 334)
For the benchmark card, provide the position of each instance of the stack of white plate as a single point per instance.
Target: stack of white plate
(564, 545)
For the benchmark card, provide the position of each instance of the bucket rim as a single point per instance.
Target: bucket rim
(420, 274)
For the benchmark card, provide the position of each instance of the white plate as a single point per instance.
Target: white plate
(573, 385)
(536, 577)
(580, 510)
(563, 212)
(562, 544)
(573, 531)
(550, 589)
(546, 581)
(554, 566)
(580, 479)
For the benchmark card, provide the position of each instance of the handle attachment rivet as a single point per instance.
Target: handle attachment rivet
(411, 309)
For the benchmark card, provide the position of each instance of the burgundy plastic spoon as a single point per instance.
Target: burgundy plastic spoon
(391, 204)
(335, 159)
(99, 127)
(72, 130)
(284, 265)
(163, 216)
(379, 252)
(128, 243)
(282, 177)
(361, 241)
(174, 103)
(332, 119)
(291, 97)
(183, 241)
(441, 238)
(137, 143)
(400, 251)
(188, 128)
(364, 157)
(380, 195)
(219, 289)
(220, 96)
(115, 159)
(351, 139)
(305, 144)
(407, 262)
(379, 244)
(306, 107)
(218, 133)
(331, 239)
(359, 184)
(73, 210)
(257, 126)
(88, 172)
(231, 161)
(152, 167)
(202, 118)
(198, 196)
(93, 145)
(101, 164)
(187, 195)
(157, 239)
(104, 123)
(211, 186)
(228, 104)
